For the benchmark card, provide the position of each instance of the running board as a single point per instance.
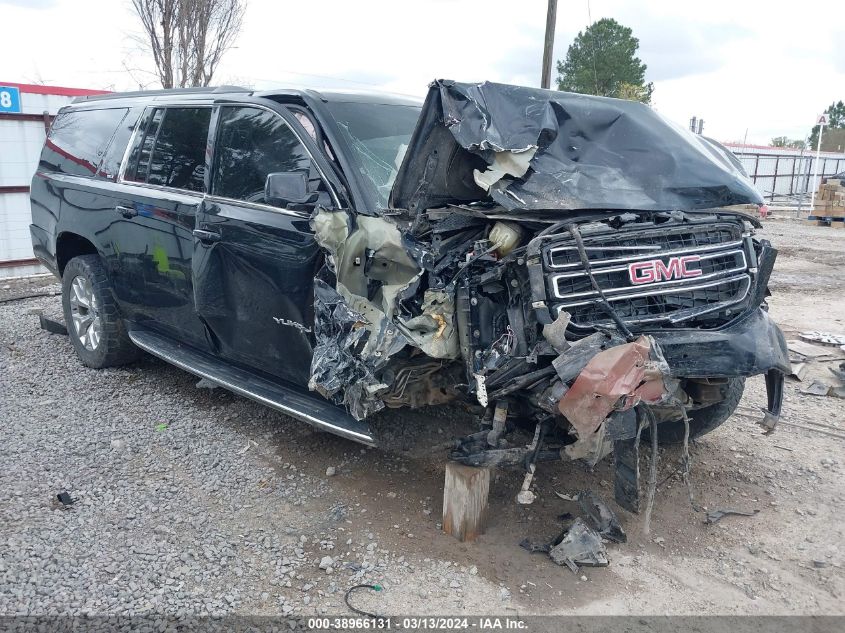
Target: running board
(290, 400)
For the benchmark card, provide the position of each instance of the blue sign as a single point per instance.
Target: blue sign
(10, 99)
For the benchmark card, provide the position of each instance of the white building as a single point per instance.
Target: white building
(26, 112)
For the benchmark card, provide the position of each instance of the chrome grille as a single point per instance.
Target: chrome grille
(708, 299)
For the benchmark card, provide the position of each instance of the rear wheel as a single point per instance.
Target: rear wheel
(702, 420)
(96, 331)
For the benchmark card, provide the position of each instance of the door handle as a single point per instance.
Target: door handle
(126, 212)
(206, 236)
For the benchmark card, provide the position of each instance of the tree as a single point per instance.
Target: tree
(602, 61)
(835, 119)
(188, 38)
(782, 141)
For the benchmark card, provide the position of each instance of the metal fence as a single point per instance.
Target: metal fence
(786, 176)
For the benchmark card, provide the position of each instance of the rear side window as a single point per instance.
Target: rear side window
(78, 140)
(171, 150)
(252, 143)
(114, 155)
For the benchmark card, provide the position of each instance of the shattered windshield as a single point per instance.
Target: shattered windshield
(378, 135)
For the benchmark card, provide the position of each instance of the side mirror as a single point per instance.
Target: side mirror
(288, 187)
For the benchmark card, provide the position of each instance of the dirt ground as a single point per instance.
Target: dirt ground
(786, 559)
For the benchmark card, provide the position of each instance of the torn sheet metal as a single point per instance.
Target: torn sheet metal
(340, 371)
(374, 267)
(586, 152)
(617, 378)
(359, 325)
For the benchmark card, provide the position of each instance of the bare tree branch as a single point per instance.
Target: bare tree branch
(188, 38)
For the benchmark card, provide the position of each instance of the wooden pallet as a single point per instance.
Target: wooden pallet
(833, 222)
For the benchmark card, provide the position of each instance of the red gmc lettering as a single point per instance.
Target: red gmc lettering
(656, 270)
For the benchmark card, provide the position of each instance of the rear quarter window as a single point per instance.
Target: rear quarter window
(78, 140)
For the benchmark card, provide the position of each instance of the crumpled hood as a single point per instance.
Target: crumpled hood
(545, 151)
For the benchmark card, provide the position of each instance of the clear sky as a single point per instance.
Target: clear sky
(768, 67)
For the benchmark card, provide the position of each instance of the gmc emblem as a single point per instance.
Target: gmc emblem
(655, 270)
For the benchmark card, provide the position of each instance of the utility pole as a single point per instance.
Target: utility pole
(821, 122)
(548, 45)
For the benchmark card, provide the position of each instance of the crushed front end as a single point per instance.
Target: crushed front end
(534, 267)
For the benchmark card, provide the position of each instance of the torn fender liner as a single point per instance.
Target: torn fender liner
(543, 150)
(617, 378)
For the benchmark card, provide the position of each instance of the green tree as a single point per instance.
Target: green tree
(603, 61)
(783, 141)
(835, 119)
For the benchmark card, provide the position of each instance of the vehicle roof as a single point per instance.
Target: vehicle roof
(324, 95)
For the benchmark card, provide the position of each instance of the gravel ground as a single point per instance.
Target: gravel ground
(196, 501)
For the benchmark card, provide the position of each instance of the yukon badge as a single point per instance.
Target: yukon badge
(656, 270)
(298, 326)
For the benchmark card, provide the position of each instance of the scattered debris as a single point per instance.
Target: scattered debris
(51, 325)
(65, 499)
(331, 471)
(581, 545)
(714, 516)
(535, 546)
(205, 383)
(809, 362)
(824, 338)
(808, 350)
(360, 611)
(816, 388)
(602, 516)
(249, 443)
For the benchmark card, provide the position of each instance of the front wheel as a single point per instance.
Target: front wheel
(702, 420)
(96, 331)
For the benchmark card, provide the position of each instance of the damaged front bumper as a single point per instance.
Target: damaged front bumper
(559, 303)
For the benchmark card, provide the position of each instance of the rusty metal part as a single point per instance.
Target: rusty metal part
(617, 378)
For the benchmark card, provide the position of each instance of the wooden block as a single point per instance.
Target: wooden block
(836, 182)
(465, 493)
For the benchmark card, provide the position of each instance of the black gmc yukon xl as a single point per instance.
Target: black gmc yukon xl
(568, 262)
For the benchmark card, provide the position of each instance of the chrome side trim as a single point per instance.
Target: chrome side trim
(352, 435)
(600, 262)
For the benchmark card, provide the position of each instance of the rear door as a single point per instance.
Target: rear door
(253, 263)
(159, 195)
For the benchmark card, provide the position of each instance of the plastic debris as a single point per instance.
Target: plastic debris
(65, 499)
(604, 519)
(715, 516)
(824, 338)
(581, 545)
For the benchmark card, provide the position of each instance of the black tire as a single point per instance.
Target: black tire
(701, 420)
(113, 346)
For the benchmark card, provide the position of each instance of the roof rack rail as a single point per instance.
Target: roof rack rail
(162, 93)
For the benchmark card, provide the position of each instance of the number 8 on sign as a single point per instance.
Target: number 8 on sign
(10, 99)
